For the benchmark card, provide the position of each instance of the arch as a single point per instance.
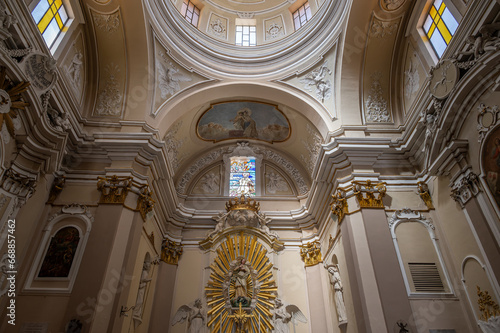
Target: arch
(70, 216)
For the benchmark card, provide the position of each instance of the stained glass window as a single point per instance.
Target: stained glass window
(60, 254)
(50, 17)
(242, 177)
(439, 26)
(301, 15)
(190, 12)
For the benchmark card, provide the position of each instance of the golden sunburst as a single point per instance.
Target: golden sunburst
(10, 100)
(241, 258)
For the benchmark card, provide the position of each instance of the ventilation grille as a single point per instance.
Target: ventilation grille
(426, 277)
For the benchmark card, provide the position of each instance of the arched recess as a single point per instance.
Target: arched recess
(474, 276)
(490, 155)
(65, 228)
(419, 255)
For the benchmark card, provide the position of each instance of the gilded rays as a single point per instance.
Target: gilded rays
(241, 278)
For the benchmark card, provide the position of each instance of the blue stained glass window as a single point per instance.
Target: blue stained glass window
(242, 177)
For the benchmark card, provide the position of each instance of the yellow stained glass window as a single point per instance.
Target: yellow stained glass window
(50, 17)
(439, 26)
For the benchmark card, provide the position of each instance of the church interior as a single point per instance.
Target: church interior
(248, 166)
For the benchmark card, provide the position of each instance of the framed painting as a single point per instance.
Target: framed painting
(491, 163)
(243, 120)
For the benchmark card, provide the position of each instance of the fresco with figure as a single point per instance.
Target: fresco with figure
(59, 257)
(243, 120)
(491, 163)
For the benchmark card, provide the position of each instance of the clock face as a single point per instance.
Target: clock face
(444, 78)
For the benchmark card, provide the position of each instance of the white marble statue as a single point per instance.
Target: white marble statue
(195, 315)
(145, 279)
(285, 313)
(339, 292)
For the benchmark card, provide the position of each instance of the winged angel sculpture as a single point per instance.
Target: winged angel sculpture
(169, 78)
(285, 313)
(195, 314)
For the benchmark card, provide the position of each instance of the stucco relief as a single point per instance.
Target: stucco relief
(274, 28)
(383, 29)
(217, 26)
(376, 105)
(108, 23)
(391, 5)
(109, 98)
(174, 146)
(412, 77)
(318, 81)
(169, 77)
(312, 144)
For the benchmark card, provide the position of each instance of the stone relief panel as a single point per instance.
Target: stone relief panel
(413, 76)
(170, 77)
(312, 144)
(74, 67)
(275, 183)
(380, 45)
(174, 145)
(217, 26)
(274, 28)
(109, 35)
(391, 5)
(210, 183)
(318, 81)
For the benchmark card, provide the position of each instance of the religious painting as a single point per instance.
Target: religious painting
(60, 254)
(243, 120)
(491, 163)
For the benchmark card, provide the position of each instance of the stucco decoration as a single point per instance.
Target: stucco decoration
(110, 98)
(112, 83)
(376, 105)
(412, 77)
(169, 77)
(383, 29)
(275, 183)
(318, 81)
(74, 68)
(217, 26)
(209, 183)
(313, 146)
(391, 5)
(444, 77)
(174, 145)
(41, 71)
(274, 28)
(243, 120)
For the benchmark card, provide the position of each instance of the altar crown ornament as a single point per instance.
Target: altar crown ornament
(242, 202)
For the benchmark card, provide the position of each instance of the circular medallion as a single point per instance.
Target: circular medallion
(443, 79)
(5, 102)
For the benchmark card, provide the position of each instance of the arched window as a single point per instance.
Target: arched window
(242, 176)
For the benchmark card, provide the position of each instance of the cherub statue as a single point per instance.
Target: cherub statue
(283, 314)
(195, 314)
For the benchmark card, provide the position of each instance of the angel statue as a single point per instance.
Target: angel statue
(283, 314)
(195, 314)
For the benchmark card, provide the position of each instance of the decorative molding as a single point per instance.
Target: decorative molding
(476, 46)
(311, 253)
(369, 195)
(286, 165)
(246, 15)
(430, 119)
(409, 215)
(174, 145)
(484, 112)
(109, 99)
(465, 187)
(57, 120)
(339, 205)
(56, 189)
(170, 252)
(218, 26)
(145, 203)
(74, 70)
(10, 101)
(73, 209)
(41, 71)
(391, 5)
(113, 189)
(382, 29)
(316, 81)
(107, 22)
(423, 191)
(18, 184)
(376, 104)
(169, 77)
(274, 31)
(312, 146)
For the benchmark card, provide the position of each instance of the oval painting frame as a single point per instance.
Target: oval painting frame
(248, 120)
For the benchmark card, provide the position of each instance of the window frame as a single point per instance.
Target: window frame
(185, 14)
(252, 30)
(75, 17)
(307, 14)
(436, 28)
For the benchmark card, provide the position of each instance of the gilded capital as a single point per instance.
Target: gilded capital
(311, 253)
(170, 252)
(114, 189)
(369, 195)
(145, 203)
(339, 205)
